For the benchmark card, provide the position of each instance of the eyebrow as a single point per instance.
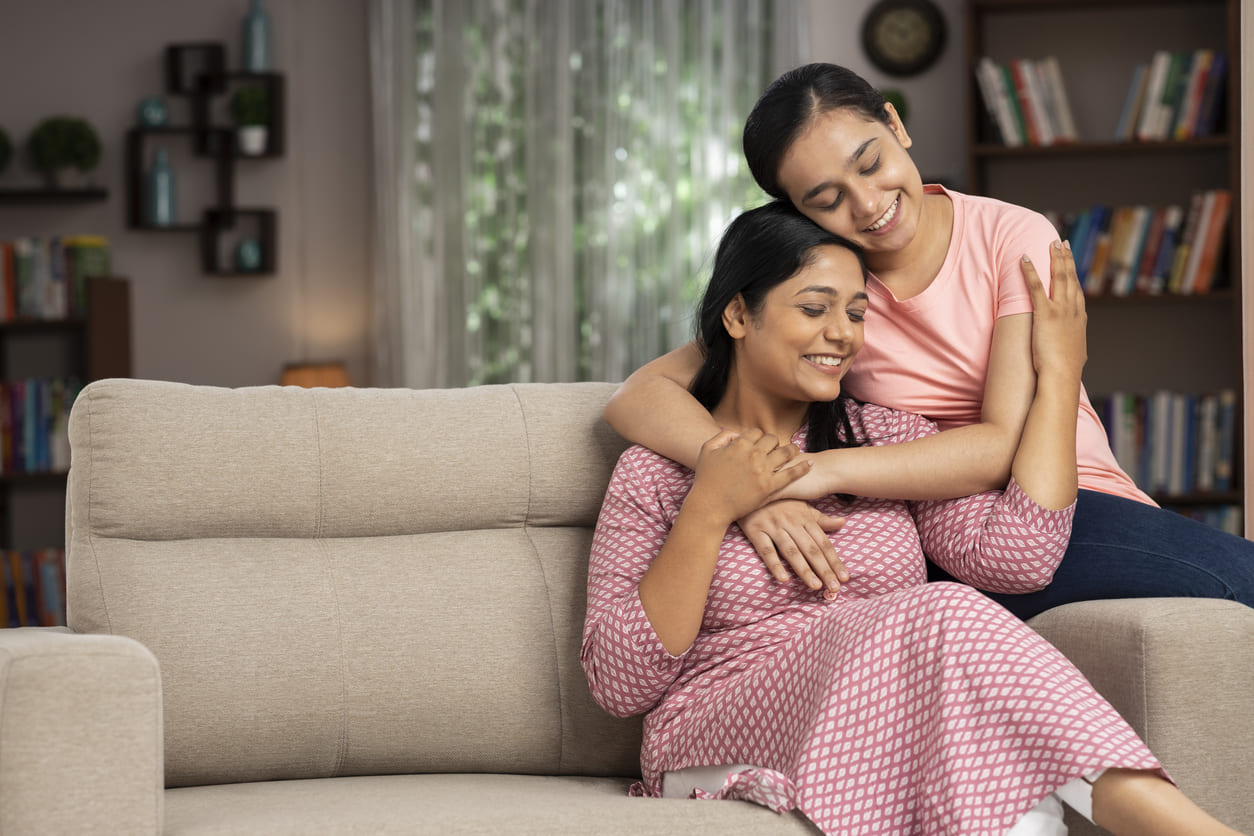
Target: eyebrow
(827, 184)
(827, 291)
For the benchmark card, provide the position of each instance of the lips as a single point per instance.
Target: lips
(826, 363)
(886, 218)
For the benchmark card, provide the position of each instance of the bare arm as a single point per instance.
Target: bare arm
(654, 408)
(1045, 464)
(956, 462)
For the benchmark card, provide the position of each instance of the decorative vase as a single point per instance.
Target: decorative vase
(252, 140)
(161, 190)
(256, 30)
(248, 256)
(153, 112)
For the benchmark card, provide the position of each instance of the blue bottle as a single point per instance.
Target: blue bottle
(161, 190)
(256, 30)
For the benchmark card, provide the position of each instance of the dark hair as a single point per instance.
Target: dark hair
(791, 103)
(763, 248)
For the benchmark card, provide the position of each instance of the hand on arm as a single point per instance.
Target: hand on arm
(735, 474)
(1045, 464)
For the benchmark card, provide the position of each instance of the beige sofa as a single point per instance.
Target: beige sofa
(349, 611)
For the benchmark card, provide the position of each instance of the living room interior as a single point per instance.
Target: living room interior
(321, 303)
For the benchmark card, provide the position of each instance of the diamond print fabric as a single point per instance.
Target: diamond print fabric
(900, 707)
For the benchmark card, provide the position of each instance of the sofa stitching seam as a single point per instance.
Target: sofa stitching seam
(90, 536)
(342, 745)
(548, 594)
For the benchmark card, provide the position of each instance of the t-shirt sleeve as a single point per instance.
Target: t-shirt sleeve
(1020, 231)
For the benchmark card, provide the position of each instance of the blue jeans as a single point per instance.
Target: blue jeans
(1125, 549)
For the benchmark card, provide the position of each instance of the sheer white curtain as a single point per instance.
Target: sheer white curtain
(552, 175)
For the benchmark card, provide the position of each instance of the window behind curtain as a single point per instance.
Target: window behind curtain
(573, 164)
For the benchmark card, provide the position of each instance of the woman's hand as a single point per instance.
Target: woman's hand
(797, 532)
(1059, 343)
(738, 471)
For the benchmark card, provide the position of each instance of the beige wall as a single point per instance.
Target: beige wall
(935, 97)
(98, 59)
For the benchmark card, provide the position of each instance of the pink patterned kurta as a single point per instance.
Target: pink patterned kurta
(901, 707)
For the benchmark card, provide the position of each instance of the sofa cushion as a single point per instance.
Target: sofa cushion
(460, 804)
(348, 582)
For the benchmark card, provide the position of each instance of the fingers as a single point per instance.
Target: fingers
(765, 547)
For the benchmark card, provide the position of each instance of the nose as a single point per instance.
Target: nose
(864, 198)
(838, 329)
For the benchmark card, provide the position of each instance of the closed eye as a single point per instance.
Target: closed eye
(812, 310)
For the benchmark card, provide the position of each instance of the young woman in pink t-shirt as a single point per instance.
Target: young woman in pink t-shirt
(948, 336)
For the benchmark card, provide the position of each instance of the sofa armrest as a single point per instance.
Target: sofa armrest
(1181, 671)
(80, 734)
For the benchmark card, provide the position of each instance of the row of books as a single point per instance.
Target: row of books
(34, 416)
(1172, 442)
(34, 587)
(46, 278)
(1123, 250)
(1227, 518)
(1174, 95)
(1027, 101)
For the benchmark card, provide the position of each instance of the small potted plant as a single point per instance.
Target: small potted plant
(62, 145)
(250, 108)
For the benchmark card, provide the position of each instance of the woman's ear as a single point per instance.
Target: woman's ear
(897, 126)
(736, 317)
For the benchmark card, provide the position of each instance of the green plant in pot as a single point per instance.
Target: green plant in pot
(62, 145)
(250, 108)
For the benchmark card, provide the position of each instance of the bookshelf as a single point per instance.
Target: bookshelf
(1137, 343)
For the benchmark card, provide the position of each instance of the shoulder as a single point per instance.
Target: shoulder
(999, 219)
(877, 426)
(640, 470)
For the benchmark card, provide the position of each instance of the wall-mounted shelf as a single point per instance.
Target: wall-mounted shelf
(198, 72)
(59, 197)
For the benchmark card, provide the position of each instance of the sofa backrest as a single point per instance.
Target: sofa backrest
(349, 581)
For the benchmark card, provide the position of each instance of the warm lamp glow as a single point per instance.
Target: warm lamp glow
(310, 375)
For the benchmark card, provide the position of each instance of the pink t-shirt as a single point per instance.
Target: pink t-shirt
(929, 354)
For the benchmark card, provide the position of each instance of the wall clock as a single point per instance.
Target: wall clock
(903, 37)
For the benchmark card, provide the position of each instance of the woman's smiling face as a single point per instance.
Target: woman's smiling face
(801, 343)
(853, 177)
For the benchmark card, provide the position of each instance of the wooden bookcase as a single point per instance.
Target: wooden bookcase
(32, 505)
(1136, 343)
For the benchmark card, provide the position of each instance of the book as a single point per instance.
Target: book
(1138, 228)
(1125, 128)
(996, 98)
(1185, 243)
(1143, 282)
(1188, 274)
(1173, 222)
(1186, 118)
(1226, 457)
(1211, 241)
(1012, 99)
(1028, 86)
(1212, 109)
(1151, 105)
(1173, 92)
(1064, 119)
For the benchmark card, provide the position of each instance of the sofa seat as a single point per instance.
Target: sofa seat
(451, 804)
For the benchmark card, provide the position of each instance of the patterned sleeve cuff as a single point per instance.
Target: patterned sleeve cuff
(1022, 507)
(643, 638)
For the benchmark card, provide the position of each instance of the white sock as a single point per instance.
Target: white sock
(1045, 819)
(1078, 793)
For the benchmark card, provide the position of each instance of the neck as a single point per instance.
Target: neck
(745, 406)
(911, 269)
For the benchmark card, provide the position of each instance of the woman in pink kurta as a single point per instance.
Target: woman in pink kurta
(892, 706)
